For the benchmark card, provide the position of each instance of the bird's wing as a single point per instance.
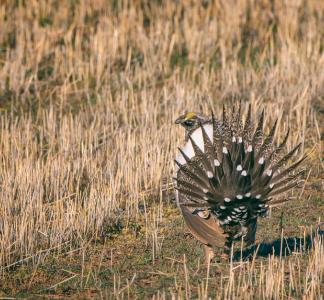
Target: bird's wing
(206, 230)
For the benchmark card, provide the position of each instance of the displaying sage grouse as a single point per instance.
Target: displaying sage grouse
(228, 175)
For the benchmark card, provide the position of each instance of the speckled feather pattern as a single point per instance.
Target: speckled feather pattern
(233, 171)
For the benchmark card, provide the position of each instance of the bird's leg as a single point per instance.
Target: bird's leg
(227, 250)
(224, 256)
(209, 254)
(249, 238)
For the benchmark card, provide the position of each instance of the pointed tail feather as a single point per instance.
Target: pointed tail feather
(232, 173)
(248, 127)
(258, 135)
(267, 142)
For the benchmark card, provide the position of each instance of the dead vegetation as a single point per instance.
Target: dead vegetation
(89, 91)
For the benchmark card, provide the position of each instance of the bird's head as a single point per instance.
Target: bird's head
(191, 120)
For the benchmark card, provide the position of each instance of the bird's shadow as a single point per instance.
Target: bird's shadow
(284, 246)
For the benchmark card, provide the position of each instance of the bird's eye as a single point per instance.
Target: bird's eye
(188, 123)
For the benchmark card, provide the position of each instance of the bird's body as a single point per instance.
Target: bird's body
(227, 175)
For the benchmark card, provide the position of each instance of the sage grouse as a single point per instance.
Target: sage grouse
(227, 175)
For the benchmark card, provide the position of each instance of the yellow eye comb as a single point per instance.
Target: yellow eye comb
(190, 115)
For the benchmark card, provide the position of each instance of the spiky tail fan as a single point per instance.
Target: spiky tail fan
(234, 171)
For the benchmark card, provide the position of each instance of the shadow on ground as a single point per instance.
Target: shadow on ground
(284, 246)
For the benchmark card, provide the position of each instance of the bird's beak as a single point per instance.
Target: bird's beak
(179, 120)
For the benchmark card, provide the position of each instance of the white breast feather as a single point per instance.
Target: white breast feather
(198, 139)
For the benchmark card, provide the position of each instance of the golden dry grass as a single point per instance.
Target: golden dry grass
(89, 91)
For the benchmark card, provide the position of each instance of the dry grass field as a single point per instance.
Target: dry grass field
(89, 91)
